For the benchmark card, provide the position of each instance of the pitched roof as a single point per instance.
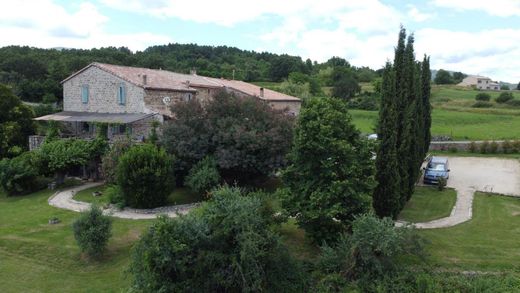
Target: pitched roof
(167, 80)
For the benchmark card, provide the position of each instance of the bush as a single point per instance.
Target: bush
(504, 97)
(472, 147)
(232, 236)
(145, 175)
(483, 97)
(441, 183)
(111, 158)
(493, 147)
(203, 176)
(20, 175)
(92, 231)
(115, 196)
(515, 146)
(372, 249)
(506, 147)
(484, 147)
(482, 104)
(513, 103)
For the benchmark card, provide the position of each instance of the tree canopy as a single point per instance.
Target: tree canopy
(443, 77)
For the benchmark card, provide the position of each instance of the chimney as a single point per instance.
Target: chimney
(187, 83)
(261, 92)
(144, 79)
(193, 71)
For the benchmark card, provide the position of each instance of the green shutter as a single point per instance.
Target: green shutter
(121, 94)
(84, 94)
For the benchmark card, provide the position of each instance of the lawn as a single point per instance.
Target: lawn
(38, 257)
(178, 196)
(458, 125)
(428, 203)
(488, 242)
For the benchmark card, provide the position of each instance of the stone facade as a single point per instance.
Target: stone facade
(292, 107)
(103, 90)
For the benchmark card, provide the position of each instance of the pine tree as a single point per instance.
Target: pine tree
(386, 197)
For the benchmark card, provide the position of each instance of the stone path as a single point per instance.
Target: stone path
(469, 174)
(63, 200)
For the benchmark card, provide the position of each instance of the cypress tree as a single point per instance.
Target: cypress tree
(386, 197)
(426, 77)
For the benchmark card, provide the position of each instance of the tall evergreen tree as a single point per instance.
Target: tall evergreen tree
(403, 129)
(386, 197)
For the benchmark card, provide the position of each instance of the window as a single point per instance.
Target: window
(121, 129)
(121, 94)
(187, 97)
(84, 93)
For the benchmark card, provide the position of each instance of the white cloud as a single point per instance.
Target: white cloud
(494, 53)
(503, 8)
(45, 24)
(418, 16)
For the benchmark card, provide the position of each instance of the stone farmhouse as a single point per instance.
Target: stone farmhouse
(480, 83)
(129, 99)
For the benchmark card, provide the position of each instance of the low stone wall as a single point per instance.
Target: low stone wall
(458, 145)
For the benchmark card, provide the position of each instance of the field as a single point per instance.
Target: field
(428, 203)
(458, 125)
(488, 242)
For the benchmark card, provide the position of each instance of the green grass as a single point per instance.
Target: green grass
(178, 196)
(488, 242)
(458, 125)
(38, 257)
(427, 204)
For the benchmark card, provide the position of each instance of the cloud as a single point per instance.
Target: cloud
(494, 53)
(502, 8)
(46, 24)
(417, 15)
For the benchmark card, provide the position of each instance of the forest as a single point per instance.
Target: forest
(34, 74)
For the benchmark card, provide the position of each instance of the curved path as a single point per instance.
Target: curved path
(470, 174)
(63, 200)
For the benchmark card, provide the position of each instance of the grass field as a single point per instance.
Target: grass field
(488, 242)
(458, 125)
(428, 203)
(178, 196)
(38, 257)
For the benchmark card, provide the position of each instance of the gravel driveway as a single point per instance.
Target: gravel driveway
(470, 174)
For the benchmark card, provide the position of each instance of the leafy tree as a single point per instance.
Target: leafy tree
(504, 87)
(458, 77)
(232, 236)
(20, 175)
(315, 87)
(345, 85)
(518, 86)
(483, 97)
(59, 156)
(330, 175)
(504, 97)
(92, 231)
(111, 158)
(15, 123)
(443, 77)
(246, 137)
(145, 175)
(203, 176)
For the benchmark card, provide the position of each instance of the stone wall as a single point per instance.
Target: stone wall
(456, 145)
(103, 91)
(292, 107)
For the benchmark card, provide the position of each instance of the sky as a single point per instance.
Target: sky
(472, 36)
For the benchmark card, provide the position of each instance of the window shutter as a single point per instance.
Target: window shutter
(121, 94)
(84, 94)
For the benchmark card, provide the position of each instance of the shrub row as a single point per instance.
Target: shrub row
(493, 147)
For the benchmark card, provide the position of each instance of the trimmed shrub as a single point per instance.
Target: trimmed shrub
(513, 103)
(484, 147)
(145, 175)
(493, 147)
(506, 147)
(20, 175)
(472, 147)
(504, 97)
(203, 176)
(482, 104)
(92, 231)
(483, 97)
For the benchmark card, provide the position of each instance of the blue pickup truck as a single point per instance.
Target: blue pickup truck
(436, 168)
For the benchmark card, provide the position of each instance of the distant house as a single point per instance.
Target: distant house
(480, 82)
(128, 99)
